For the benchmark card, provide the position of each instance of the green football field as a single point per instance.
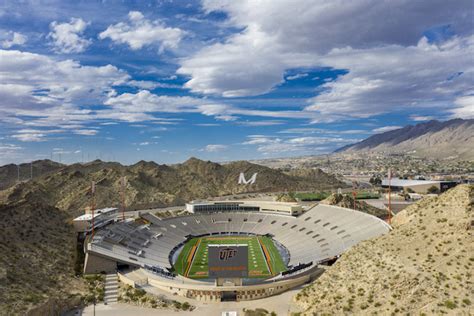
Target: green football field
(264, 260)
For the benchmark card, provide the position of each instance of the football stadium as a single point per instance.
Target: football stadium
(228, 250)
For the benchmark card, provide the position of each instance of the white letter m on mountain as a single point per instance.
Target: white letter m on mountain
(252, 180)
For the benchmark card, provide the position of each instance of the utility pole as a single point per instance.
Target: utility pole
(92, 205)
(123, 183)
(354, 193)
(389, 197)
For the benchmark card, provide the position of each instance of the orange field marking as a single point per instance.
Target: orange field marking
(190, 257)
(267, 256)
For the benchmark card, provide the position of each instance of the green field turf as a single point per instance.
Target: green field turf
(318, 196)
(192, 261)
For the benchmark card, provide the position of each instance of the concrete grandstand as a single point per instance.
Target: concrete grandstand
(150, 247)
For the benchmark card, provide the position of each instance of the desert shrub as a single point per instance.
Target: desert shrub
(185, 306)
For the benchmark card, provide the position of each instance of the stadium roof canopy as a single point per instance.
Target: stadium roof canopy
(396, 182)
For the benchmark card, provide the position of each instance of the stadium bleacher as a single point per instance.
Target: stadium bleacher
(321, 233)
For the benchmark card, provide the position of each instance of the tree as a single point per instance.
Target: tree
(375, 181)
(433, 190)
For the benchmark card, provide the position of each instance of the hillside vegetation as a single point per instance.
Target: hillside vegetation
(37, 255)
(38, 243)
(423, 267)
(9, 174)
(347, 201)
(152, 185)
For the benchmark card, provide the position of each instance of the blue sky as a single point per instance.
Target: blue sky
(225, 80)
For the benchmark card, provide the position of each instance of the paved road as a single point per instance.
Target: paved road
(281, 304)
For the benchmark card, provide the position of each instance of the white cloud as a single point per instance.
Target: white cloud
(67, 37)
(34, 135)
(86, 132)
(464, 107)
(139, 32)
(294, 33)
(302, 130)
(214, 148)
(146, 102)
(151, 85)
(377, 42)
(297, 76)
(51, 91)
(421, 118)
(261, 123)
(386, 129)
(269, 145)
(389, 78)
(10, 152)
(14, 39)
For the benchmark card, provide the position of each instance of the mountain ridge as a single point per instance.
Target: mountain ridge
(153, 185)
(438, 139)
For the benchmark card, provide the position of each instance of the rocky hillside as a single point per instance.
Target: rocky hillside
(37, 247)
(423, 267)
(37, 241)
(153, 185)
(9, 174)
(347, 201)
(454, 138)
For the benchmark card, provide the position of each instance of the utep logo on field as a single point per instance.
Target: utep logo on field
(227, 253)
(252, 180)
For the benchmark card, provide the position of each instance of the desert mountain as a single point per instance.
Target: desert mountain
(10, 173)
(153, 185)
(422, 267)
(453, 138)
(37, 241)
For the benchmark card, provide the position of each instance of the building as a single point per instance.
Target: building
(418, 186)
(101, 217)
(288, 208)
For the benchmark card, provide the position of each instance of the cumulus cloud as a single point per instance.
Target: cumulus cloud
(214, 148)
(34, 135)
(388, 78)
(38, 86)
(464, 107)
(139, 32)
(269, 145)
(376, 42)
(386, 129)
(67, 37)
(14, 39)
(146, 102)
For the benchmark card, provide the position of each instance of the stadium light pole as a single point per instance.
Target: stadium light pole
(354, 194)
(389, 197)
(93, 205)
(123, 183)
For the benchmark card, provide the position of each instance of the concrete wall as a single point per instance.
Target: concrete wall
(212, 293)
(97, 264)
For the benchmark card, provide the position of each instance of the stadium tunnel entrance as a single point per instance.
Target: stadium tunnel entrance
(229, 296)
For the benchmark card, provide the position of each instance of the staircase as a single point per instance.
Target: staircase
(111, 289)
